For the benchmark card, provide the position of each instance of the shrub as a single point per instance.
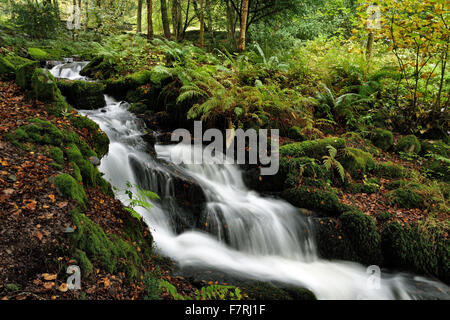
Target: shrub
(382, 138)
(409, 144)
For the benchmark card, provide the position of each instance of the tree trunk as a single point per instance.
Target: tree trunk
(165, 19)
(150, 19)
(243, 31)
(11, 8)
(176, 18)
(87, 15)
(202, 23)
(139, 17)
(231, 25)
(370, 45)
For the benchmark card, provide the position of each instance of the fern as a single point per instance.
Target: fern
(330, 162)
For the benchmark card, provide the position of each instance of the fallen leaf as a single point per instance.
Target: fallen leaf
(49, 277)
(63, 287)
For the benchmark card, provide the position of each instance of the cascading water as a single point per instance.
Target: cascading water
(265, 238)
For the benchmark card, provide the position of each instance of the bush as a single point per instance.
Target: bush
(409, 144)
(382, 138)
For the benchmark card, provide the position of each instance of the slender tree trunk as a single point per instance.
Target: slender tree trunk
(87, 14)
(231, 24)
(150, 19)
(202, 23)
(139, 16)
(243, 31)
(176, 18)
(370, 45)
(165, 19)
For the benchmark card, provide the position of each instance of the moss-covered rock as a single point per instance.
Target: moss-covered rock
(25, 73)
(396, 184)
(69, 187)
(390, 170)
(305, 170)
(382, 138)
(99, 68)
(84, 262)
(435, 147)
(76, 173)
(258, 290)
(364, 236)
(57, 154)
(37, 54)
(313, 148)
(7, 70)
(96, 138)
(407, 197)
(356, 162)
(128, 87)
(325, 202)
(409, 144)
(82, 94)
(39, 131)
(295, 133)
(362, 188)
(44, 85)
(422, 247)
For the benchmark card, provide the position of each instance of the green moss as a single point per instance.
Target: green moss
(43, 85)
(390, 170)
(39, 131)
(17, 61)
(383, 216)
(265, 291)
(98, 68)
(409, 144)
(363, 234)
(313, 149)
(362, 188)
(74, 154)
(323, 201)
(37, 54)
(82, 94)
(356, 162)
(382, 138)
(407, 197)
(69, 187)
(88, 172)
(115, 254)
(12, 287)
(96, 138)
(295, 133)
(57, 154)
(84, 262)
(305, 170)
(6, 69)
(25, 73)
(396, 184)
(76, 172)
(421, 247)
(56, 165)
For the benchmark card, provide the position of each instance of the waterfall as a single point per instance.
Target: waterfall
(245, 233)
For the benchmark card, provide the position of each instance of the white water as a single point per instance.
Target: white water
(268, 239)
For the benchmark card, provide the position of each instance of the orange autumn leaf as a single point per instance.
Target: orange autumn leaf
(49, 277)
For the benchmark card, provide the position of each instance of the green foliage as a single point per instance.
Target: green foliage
(38, 19)
(211, 292)
(37, 54)
(139, 198)
(407, 198)
(69, 187)
(96, 138)
(331, 163)
(84, 262)
(6, 69)
(12, 287)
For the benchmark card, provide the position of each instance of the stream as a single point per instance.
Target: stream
(255, 237)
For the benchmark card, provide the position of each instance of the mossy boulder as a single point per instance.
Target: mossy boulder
(407, 197)
(422, 247)
(258, 290)
(324, 202)
(128, 87)
(82, 94)
(99, 68)
(356, 162)
(364, 236)
(305, 170)
(44, 85)
(84, 262)
(37, 54)
(69, 187)
(313, 148)
(382, 138)
(97, 139)
(409, 144)
(25, 73)
(390, 170)
(39, 131)
(57, 154)
(7, 70)
(295, 133)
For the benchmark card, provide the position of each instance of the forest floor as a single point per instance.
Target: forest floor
(35, 221)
